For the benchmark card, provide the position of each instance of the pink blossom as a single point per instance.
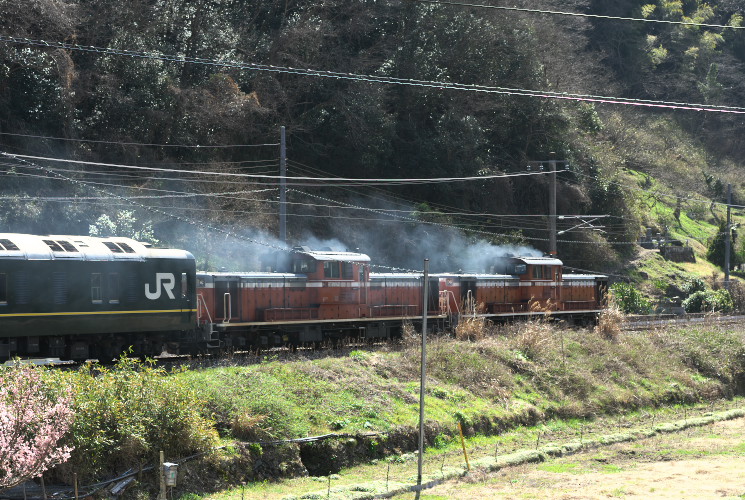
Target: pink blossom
(32, 422)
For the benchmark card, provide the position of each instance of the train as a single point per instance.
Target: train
(81, 297)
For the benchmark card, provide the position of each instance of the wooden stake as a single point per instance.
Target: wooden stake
(463, 444)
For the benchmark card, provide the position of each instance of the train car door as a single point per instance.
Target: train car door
(468, 294)
(227, 303)
(363, 280)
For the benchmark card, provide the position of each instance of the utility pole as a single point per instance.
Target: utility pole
(727, 237)
(422, 382)
(552, 163)
(552, 206)
(282, 186)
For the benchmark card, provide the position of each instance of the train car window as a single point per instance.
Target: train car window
(125, 247)
(59, 288)
(113, 290)
(96, 295)
(537, 272)
(3, 289)
(346, 270)
(6, 244)
(69, 247)
(184, 285)
(113, 247)
(54, 246)
(331, 269)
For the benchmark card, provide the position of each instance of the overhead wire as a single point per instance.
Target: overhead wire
(290, 180)
(579, 14)
(125, 143)
(376, 78)
(171, 215)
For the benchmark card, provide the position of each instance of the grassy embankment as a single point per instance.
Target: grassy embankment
(522, 375)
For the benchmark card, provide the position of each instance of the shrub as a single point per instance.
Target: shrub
(629, 299)
(126, 414)
(709, 301)
(693, 285)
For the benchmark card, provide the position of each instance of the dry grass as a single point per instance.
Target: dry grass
(249, 427)
(409, 336)
(473, 329)
(610, 323)
(532, 338)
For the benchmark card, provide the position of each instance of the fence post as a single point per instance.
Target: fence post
(161, 477)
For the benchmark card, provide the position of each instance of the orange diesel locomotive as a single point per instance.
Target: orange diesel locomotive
(317, 296)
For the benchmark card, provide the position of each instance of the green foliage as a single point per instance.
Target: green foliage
(709, 301)
(128, 413)
(630, 299)
(124, 224)
(693, 285)
(716, 249)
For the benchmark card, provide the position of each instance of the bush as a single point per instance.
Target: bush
(709, 301)
(693, 285)
(629, 299)
(126, 414)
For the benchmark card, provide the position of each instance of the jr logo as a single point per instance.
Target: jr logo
(163, 281)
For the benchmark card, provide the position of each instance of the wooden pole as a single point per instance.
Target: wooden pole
(162, 478)
(463, 444)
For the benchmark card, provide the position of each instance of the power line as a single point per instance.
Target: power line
(545, 94)
(290, 180)
(170, 215)
(266, 244)
(577, 14)
(121, 143)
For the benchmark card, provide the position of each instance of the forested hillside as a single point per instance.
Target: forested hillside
(203, 86)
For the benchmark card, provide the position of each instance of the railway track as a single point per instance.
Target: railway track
(648, 322)
(297, 353)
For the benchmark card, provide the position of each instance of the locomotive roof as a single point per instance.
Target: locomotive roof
(249, 275)
(334, 255)
(540, 261)
(71, 247)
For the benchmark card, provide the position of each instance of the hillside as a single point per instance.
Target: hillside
(184, 90)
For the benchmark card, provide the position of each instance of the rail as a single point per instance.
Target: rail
(659, 320)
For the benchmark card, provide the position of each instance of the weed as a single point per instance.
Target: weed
(610, 323)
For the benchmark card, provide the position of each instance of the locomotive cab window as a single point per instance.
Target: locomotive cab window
(346, 270)
(331, 270)
(3, 289)
(521, 269)
(538, 272)
(304, 266)
(96, 292)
